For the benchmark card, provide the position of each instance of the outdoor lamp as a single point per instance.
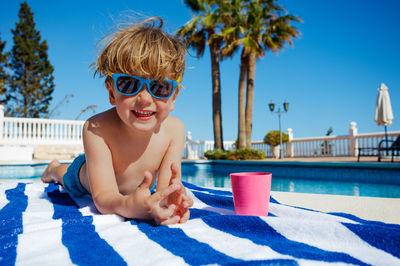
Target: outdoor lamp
(271, 106)
(286, 106)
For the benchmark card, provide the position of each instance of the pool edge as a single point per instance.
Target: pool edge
(369, 165)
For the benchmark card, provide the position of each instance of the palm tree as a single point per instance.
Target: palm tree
(231, 34)
(198, 32)
(257, 26)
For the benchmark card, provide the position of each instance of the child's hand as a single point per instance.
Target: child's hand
(160, 214)
(179, 197)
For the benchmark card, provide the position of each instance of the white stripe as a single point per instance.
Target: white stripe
(198, 204)
(276, 209)
(226, 243)
(132, 244)
(40, 242)
(331, 236)
(235, 247)
(126, 239)
(3, 198)
(318, 263)
(212, 193)
(282, 210)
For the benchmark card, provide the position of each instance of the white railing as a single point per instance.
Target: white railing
(369, 140)
(303, 147)
(196, 149)
(268, 149)
(33, 131)
(321, 146)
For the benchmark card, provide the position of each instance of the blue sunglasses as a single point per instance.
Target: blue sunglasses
(131, 85)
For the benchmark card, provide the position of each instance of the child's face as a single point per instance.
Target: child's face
(141, 112)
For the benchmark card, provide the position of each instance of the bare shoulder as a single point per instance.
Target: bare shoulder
(173, 130)
(100, 124)
(173, 124)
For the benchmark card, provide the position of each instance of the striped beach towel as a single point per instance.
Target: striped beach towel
(40, 224)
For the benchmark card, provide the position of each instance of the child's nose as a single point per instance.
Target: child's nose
(144, 94)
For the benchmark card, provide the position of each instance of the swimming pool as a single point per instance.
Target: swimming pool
(358, 179)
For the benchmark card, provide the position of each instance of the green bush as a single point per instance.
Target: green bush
(216, 154)
(273, 138)
(250, 154)
(244, 154)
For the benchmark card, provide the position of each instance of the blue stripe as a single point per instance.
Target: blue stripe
(277, 262)
(256, 230)
(178, 243)
(85, 245)
(78, 233)
(221, 202)
(386, 238)
(378, 234)
(213, 191)
(362, 221)
(192, 251)
(215, 201)
(11, 223)
(199, 213)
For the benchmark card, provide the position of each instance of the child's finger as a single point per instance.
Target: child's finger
(185, 217)
(173, 220)
(165, 216)
(174, 180)
(146, 181)
(160, 195)
(187, 201)
(175, 177)
(165, 213)
(174, 170)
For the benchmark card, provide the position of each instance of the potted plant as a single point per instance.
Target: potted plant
(273, 139)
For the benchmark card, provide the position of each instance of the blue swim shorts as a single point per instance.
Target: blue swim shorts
(71, 178)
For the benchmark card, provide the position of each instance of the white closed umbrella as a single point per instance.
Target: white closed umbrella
(383, 109)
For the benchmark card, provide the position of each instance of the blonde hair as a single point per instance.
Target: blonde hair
(144, 50)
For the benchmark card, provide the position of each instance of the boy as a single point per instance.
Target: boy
(136, 144)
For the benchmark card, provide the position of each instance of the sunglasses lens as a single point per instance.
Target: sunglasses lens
(162, 89)
(128, 85)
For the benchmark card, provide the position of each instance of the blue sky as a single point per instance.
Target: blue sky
(329, 77)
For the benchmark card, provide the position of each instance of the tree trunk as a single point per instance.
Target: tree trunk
(241, 97)
(251, 74)
(216, 97)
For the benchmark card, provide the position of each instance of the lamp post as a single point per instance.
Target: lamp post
(271, 106)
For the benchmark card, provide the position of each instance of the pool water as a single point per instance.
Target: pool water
(12, 172)
(340, 179)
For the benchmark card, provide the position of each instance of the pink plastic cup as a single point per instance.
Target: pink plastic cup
(251, 193)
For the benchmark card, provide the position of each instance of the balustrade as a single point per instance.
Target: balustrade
(303, 147)
(34, 131)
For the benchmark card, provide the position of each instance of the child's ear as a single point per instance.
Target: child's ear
(110, 93)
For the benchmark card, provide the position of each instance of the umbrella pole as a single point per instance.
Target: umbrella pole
(386, 140)
(385, 132)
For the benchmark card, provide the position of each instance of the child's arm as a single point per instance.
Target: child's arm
(173, 154)
(170, 171)
(104, 189)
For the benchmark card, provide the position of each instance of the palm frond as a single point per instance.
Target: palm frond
(195, 5)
